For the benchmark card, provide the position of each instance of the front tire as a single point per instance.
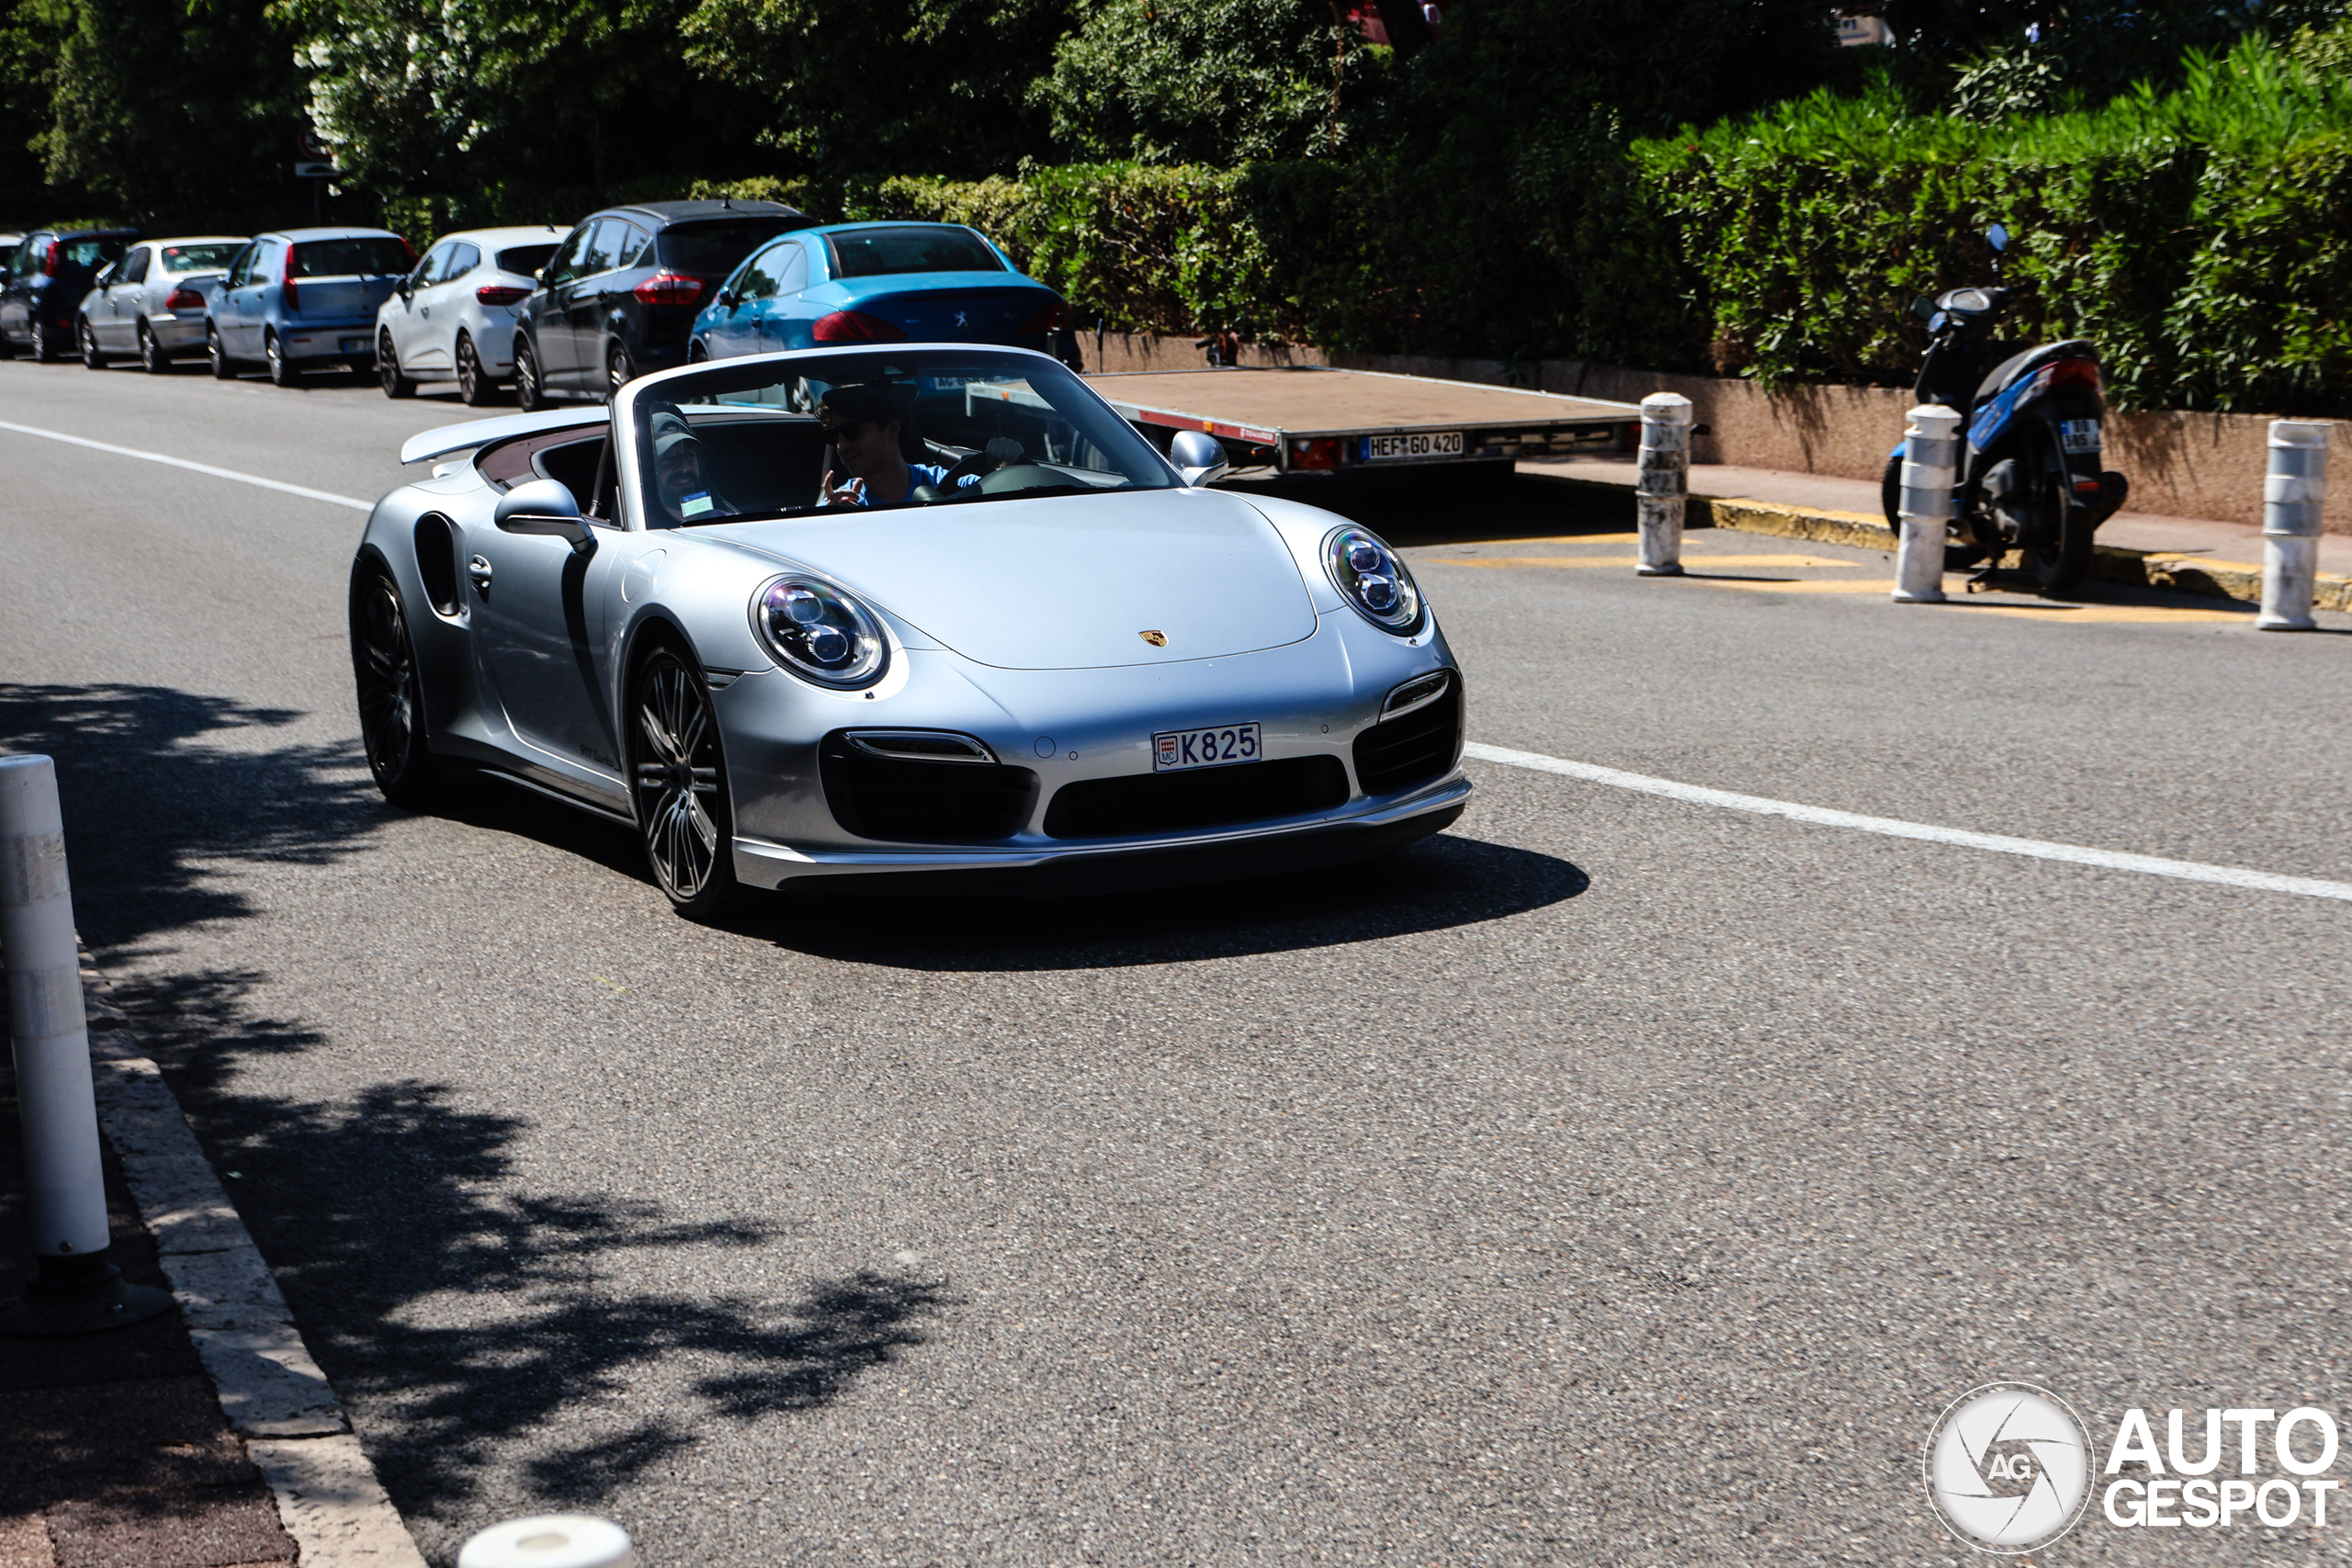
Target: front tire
(45, 346)
(151, 357)
(388, 369)
(1958, 557)
(281, 368)
(392, 694)
(530, 393)
(223, 368)
(475, 388)
(678, 778)
(93, 357)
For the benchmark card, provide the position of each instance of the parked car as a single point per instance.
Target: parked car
(150, 303)
(454, 315)
(301, 299)
(846, 283)
(8, 244)
(1057, 662)
(620, 299)
(47, 278)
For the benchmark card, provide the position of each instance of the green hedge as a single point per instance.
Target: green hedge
(2199, 235)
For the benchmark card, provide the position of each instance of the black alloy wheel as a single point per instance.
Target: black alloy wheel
(530, 393)
(392, 697)
(45, 346)
(93, 357)
(679, 778)
(223, 368)
(388, 369)
(475, 388)
(619, 368)
(281, 368)
(151, 357)
(2057, 552)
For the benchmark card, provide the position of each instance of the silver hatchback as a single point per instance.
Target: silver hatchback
(150, 303)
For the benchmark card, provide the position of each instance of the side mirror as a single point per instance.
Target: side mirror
(544, 506)
(1997, 236)
(404, 286)
(106, 276)
(1198, 457)
(1924, 308)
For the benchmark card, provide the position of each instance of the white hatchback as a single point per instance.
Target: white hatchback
(454, 316)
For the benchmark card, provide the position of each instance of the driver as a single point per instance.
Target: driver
(872, 426)
(679, 472)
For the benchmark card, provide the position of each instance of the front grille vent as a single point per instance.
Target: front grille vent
(912, 802)
(1412, 748)
(1142, 803)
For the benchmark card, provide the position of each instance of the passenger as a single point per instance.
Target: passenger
(679, 472)
(872, 426)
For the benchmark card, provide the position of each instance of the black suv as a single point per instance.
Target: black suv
(622, 291)
(45, 282)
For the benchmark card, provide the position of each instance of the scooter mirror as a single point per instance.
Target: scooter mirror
(1997, 236)
(1923, 308)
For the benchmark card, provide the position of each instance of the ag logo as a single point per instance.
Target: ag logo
(2007, 1467)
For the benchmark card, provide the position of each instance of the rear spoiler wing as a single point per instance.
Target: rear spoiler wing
(476, 433)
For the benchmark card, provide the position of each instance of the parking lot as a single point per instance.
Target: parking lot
(1612, 1179)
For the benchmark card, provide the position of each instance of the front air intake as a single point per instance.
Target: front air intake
(910, 800)
(1413, 748)
(1140, 804)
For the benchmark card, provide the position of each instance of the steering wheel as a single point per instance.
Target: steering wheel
(1001, 452)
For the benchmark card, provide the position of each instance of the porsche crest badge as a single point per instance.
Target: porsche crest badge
(1157, 639)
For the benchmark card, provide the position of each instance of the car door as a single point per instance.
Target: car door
(403, 313)
(588, 255)
(735, 327)
(16, 317)
(618, 244)
(125, 294)
(534, 639)
(444, 306)
(245, 307)
(779, 311)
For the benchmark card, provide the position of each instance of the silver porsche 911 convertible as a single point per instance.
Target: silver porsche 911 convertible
(921, 617)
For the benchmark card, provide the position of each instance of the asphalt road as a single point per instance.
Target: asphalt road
(1609, 1179)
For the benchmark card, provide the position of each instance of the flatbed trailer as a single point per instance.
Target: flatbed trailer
(1311, 418)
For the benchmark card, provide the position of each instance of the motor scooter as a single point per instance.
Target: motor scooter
(2030, 478)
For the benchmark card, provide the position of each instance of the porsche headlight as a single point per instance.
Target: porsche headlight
(1373, 578)
(816, 631)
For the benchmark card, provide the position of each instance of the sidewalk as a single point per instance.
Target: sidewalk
(2216, 560)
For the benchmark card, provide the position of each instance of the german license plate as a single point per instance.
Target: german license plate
(1178, 750)
(1419, 443)
(355, 345)
(2078, 434)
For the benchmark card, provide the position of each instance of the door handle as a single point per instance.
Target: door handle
(426, 312)
(479, 570)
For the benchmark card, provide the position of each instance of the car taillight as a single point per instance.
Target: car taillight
(1323, 452)
(293, 291)
(670, 289)
(856, 326)
(183, 298)
(503, 294)
(1052, 318)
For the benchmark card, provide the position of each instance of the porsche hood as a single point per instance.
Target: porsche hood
(1069, 583)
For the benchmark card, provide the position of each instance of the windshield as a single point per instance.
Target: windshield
(880, 432)
(913, 247)
(199, 258)
(376, 256)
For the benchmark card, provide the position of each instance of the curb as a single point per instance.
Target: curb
(272, 1393)
(2110, 563)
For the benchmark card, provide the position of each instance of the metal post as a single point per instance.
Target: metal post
(2292, 494)
(1663, 481)
(551, 1540)
(76, 1288)
(1930, 464)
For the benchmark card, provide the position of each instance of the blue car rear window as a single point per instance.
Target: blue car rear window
(913, 247)
(367, 257)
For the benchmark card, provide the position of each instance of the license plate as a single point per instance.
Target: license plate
(1419, 443)
(1214, 747)
(2078, 434)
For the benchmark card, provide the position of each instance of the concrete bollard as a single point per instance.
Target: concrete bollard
(551, 1540)
(1930, 468)
(76, 1288)
(2292, 494)
(1663, 481)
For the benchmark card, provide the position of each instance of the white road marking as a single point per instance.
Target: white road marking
(303, 490)
(2112, 860)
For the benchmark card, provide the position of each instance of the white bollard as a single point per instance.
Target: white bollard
(551, 1540)
(1930, 468)
(1663, 481)
(76, 1288)
(2292, 494)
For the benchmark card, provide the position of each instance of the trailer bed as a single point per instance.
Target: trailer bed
(1311, 417)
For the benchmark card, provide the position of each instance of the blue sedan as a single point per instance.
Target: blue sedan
(856, 283)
